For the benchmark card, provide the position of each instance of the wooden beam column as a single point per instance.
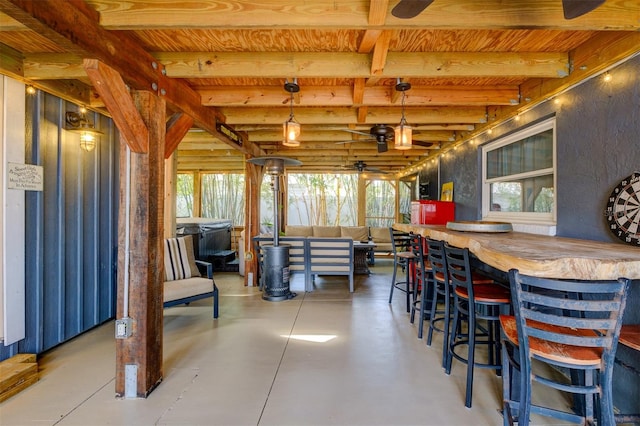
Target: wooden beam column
(139, 357)
(253, 180)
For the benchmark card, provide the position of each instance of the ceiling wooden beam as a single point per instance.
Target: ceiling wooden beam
(612, 15)
(354, 65)
(330, 127)
(380, 51)
(73, 26)
(378, 11)
(345, 116)
(262, 136)
(177, 127)
(120, 104)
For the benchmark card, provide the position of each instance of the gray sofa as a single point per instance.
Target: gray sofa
(312, 256)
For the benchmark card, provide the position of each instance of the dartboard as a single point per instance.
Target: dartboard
(623, 210)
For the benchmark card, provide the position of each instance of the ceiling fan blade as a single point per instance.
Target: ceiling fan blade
(354, 140)
(575, 8)
(357, 132)
(422, 143)
(407, 9)
(375, 170)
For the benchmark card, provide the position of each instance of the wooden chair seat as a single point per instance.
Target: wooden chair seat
(630, 336)
(477, 278)
(486, 293)
(558, 352)
(406, 255)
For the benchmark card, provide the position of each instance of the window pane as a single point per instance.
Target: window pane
(524, 195)
(381, 196)
(266, 205)
(184, 195)
(223, 197)
(529, 154)
(323, 199)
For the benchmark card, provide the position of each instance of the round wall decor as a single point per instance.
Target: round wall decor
(623, 210)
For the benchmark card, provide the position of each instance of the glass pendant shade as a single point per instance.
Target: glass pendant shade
(403, 136)
(77, 122)
(291, 131)
(88, 141)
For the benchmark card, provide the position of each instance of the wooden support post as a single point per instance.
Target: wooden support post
(139, 357)
(253, 181)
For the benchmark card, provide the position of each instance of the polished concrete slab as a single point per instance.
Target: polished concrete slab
(327, 357)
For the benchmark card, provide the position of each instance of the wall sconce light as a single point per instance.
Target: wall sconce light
(31, 90)
(403, 132)
(291, 129)
(79, 123)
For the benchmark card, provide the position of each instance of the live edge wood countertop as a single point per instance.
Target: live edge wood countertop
(541, 255)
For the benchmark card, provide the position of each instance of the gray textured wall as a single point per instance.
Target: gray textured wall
(597, 145)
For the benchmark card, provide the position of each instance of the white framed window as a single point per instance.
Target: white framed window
(519, 179)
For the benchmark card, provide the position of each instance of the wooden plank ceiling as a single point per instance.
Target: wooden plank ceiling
(469, 63)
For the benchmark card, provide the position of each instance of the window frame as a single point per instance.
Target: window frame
(541, 222)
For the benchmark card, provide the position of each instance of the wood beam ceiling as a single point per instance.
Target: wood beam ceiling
(74, 26)
(365, 14)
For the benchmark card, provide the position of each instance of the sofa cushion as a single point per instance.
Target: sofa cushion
(380, 235)
(357, 233)
(326, 231)
(298, 231)
(179, 260)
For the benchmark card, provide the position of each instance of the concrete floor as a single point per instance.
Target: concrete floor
(256, 365)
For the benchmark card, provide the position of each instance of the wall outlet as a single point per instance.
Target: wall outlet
(123, 328)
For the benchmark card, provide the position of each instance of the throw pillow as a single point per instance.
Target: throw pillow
(179, 260)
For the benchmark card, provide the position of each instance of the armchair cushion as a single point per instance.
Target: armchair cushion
(179, 260)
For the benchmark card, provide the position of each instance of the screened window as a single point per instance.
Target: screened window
(223, 196)
(184, 195)
(381, 203)
(322, 199)
(519, 176)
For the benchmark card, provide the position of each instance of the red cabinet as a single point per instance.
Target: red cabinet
(429, 212)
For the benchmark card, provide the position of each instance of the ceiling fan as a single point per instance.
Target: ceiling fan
(407, 9)
(361, 166)
(381, 134)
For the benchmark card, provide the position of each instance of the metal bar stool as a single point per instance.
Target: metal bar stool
(441, 291)
(422, 282)
(554, 327)
(476, 303)
(401, 257)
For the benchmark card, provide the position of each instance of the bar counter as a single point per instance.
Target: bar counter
(541, 255)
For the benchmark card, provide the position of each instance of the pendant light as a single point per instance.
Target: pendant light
(403, 132)
(291, 129)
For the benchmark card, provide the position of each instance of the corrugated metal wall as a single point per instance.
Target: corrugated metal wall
(71, 235)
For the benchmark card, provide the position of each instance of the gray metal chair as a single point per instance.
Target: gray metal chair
(422, 283)
(478, 301)
(568, 325)
(401, 256)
